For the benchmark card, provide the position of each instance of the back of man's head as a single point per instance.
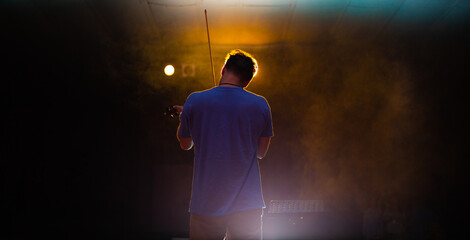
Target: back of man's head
(241, 64)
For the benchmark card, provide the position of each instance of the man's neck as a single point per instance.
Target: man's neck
(229, 84)
(229, 79)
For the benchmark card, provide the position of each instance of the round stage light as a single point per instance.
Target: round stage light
(169, 70)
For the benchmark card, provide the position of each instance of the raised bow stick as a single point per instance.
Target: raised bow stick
(210, 50)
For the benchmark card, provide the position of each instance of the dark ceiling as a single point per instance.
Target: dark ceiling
(281, 21)
(240, 22)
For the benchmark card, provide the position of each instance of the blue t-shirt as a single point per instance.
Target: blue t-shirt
(225, 124)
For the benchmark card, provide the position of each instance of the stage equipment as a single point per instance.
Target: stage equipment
(188, 70)
(296, 206)
(292, 219)
(309, 219)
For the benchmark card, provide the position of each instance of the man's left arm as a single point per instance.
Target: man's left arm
(186, 143)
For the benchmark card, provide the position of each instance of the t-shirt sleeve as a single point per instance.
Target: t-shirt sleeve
(268, 130)
(183, 130)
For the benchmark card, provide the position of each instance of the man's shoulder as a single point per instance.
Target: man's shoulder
(200, 93)
(218, 92)
(258, 97)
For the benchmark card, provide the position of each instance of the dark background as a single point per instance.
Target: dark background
(359, 113)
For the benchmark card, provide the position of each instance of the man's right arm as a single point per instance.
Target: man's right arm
(185, 143)
(263, 145)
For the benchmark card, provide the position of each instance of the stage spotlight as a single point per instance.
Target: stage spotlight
(169, 70)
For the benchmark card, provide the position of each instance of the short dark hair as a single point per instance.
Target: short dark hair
(241, 64)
